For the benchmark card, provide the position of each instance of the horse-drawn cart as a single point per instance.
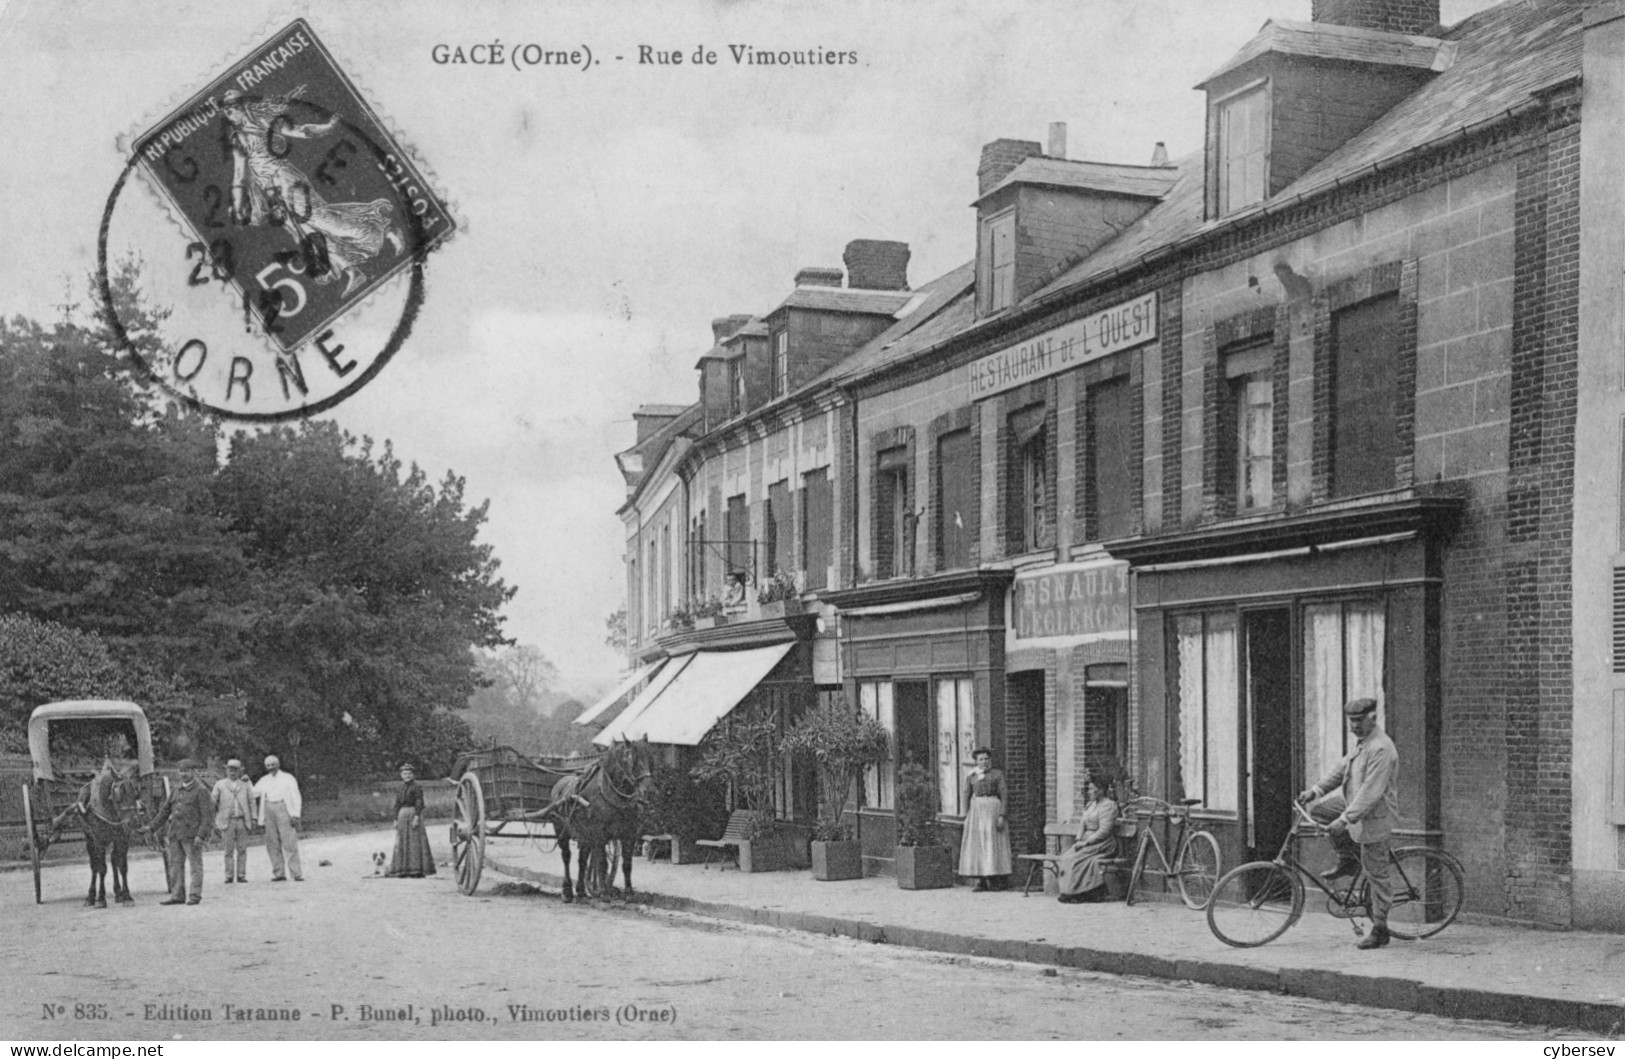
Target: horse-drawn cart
(80, 802)
(503, 793)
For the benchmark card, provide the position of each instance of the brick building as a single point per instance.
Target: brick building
(1195, 451)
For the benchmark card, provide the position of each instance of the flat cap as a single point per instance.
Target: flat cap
(1359, 706)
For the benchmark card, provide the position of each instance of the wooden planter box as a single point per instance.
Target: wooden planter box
(710, 623)
(924, 867)
(835, 861)
(781, 607)
(768, 853)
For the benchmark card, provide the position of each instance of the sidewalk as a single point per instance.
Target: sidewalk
(1467, 971)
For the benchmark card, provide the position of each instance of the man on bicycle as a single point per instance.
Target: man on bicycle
(1358, 802)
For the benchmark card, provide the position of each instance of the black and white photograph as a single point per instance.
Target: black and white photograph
(724, 520)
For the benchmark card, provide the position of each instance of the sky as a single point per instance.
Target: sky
(606, 215)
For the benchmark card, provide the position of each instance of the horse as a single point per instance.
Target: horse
(601, 805)
(107, 808)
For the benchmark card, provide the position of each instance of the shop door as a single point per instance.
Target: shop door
(1026, 691)
(912, 705)
(1269, 745)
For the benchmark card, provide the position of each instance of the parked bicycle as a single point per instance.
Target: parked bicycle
(1256, 903)
(1196, 853)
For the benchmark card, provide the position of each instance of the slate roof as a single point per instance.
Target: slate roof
(1143, 181)
(847, 300)
(946, 307)
(1322, 40)
(661, 409)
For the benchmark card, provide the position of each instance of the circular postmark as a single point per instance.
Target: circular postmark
(291, 213)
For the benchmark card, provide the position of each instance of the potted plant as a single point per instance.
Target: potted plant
(709, 613)
(840, 742)
(744, 752)
(681, 618)
(779, 595)
(684, 809)
(923, 863)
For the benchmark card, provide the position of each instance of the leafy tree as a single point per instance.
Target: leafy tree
(44, 661)
(510, 709)
(615, 631)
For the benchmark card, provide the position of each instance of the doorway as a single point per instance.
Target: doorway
(1269, 727)
(1026, 692)
(911, 706)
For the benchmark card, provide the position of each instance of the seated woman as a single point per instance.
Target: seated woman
(1082, 869)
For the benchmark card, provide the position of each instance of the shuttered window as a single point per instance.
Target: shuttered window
(1365, 350)
(817, 526)
(956, 499)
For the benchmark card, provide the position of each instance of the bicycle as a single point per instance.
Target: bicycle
(1196, 853)
(1257, 902)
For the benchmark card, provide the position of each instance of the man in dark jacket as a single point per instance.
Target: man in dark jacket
(189, 814)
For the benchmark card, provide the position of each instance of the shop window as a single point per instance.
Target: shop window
(778, 505)
(956, 740)
(781, 362)
(879, 781)
(1109, 486)
(1205, 698)
(1243, 149)
(1342, 660)
(1246, 463)
(817, 526)
(1028, 522)
(998, 279)
(1365, 354)
(956, 499)
(894, 521)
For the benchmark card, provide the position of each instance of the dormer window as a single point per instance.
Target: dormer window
(998, 262)
(1243, 121)
(781, 363)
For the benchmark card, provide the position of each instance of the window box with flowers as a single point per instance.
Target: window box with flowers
(709, 613)
(779, 595)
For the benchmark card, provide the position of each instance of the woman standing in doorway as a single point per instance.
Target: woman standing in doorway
(984, 852)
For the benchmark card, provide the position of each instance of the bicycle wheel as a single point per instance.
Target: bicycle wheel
(1254, 904)
(1198, 869)
(1139, 869)
(1427, 892)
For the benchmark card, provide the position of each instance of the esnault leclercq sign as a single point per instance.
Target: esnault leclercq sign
(1097, 335)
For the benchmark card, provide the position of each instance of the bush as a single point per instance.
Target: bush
(916, 806)
(841, 742)
(686, 807)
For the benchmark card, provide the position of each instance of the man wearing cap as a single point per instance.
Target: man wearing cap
(233, 815)
(1358, 801)
(278, 793)
(190, 818)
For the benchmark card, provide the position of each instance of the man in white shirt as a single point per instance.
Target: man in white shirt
(278, 795)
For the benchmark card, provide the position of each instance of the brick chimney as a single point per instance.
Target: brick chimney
(651, 417)
(814, 276)
(999, 158)
(1415, 17)
(876, 264)
(723, 326)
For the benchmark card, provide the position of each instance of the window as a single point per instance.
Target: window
(696, 558)
(1247, 425)
(999, 262)
(956, 500)
(781, 362)
(1243, 149)
(778, 506)
(736, 387)
(738, 541)
(1028, 521)
(1342, 660)
(634, 600)
(894, 537)
(1205, 697)
(1365, 351)
(671, 573)
(879, 781)
(817, 526)
(956, 740)
(1109, 486)
(651, 616)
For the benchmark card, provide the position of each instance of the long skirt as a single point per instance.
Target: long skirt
(985, 850)
(412, 857)
(1082, 868)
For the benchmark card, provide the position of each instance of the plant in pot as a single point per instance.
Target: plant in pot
(923, 862)
(840, 742)
(779, 595)
(743, 751)
(708, 613)
(681, 618)
(684, 809)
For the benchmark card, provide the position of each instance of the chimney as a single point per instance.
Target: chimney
(1159, 156)
(723, 326)
(1057, 139)
(876, 264)
(813, 276)
(1412, 17)
(999, 158)
(651, 417)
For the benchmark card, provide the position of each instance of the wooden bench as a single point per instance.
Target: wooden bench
(650, 841)
(741, 823)
(1067, 831)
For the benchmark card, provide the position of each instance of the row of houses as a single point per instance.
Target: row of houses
(1193, 452)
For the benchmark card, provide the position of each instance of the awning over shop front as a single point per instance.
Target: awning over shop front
(687, 707)
(616, 729)
(591, 714)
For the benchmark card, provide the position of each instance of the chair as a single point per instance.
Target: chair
(741, 822)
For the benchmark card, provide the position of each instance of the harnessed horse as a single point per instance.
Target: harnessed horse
(601, 805)
(107, 808)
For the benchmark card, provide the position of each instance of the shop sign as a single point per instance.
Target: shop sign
(1071, 601)
(1095, 336)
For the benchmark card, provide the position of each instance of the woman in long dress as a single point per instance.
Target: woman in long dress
(1082, 869)
(412, 858)
(984, 851)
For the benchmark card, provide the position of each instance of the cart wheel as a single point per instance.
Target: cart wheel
(33, 840)
(468, 834)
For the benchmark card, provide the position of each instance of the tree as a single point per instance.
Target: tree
(44, 661)
(526, 674)
(615, 630)
(511, 709)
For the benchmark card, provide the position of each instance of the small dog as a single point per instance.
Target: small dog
(379, 862)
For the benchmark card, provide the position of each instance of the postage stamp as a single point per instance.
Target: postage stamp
(297, 202)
